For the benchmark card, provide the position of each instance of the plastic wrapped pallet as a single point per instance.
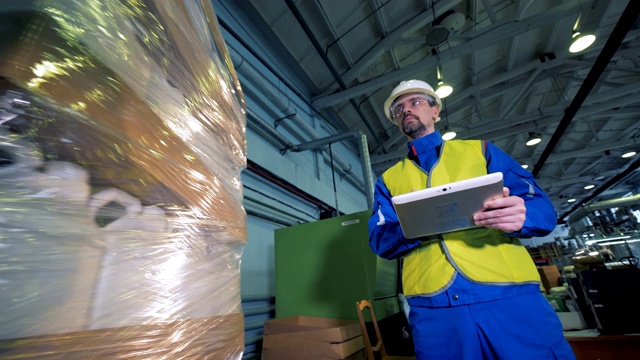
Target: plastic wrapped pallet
(122, 139)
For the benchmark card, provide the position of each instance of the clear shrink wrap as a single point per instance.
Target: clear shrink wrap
(122, 139)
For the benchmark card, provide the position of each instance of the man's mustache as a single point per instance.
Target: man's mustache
(410, 115)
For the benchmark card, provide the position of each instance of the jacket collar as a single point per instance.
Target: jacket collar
(424, 144)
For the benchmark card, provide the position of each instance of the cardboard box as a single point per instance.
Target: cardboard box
(314, 328)
(311, 338)
(293, 354)
(309, 349)
(549, 275)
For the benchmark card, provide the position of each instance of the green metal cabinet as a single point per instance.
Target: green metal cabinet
(323, 268)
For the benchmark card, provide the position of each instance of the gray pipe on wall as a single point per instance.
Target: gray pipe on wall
(364, 153)
(367, 171)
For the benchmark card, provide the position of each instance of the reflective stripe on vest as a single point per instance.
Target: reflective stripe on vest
(482, 255)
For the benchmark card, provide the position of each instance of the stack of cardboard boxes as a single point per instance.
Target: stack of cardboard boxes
(307, 337)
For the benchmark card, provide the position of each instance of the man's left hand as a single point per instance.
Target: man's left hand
(506, 213)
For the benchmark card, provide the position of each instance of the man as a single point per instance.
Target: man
(473, 294)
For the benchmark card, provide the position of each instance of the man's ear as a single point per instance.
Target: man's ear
(436, 110)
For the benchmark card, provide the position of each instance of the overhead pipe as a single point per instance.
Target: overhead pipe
(609, 183)
(364, 152)
(625, 23)
(268, 91)
(601, 205)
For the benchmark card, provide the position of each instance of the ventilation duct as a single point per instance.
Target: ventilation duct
(601, 205)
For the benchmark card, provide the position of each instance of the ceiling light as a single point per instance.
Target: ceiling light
(525, 166)
(447, 23)
(443, 89)
(589, 187)
(437, 35)
(571, 200)
(534, 138)
(448, 134)
(629, 154)
(581, 41)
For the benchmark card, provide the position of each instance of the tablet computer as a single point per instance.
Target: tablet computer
(445, 208)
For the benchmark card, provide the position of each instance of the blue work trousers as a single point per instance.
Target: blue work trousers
(518, 327)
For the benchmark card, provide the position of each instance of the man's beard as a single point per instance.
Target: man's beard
(414, 129)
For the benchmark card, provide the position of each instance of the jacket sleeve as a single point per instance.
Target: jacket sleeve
(385, 234)
(541, 216)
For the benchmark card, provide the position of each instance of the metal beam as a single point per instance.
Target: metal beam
(307, 30)
(394, 37)
(486, 37)
(625, 22)
(545, 117)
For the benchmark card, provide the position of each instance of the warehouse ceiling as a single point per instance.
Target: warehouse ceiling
(509, 65)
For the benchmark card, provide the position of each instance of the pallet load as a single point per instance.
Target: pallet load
(122, 139)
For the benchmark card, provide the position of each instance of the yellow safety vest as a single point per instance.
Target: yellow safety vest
(481, 255)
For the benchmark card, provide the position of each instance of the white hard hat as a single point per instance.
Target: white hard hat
(409, 86)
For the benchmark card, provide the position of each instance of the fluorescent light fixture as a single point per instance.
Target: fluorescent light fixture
(589, 187)
(629, 154)
(581, 41)
(594, 241)
(617, 242)
(571, 200)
